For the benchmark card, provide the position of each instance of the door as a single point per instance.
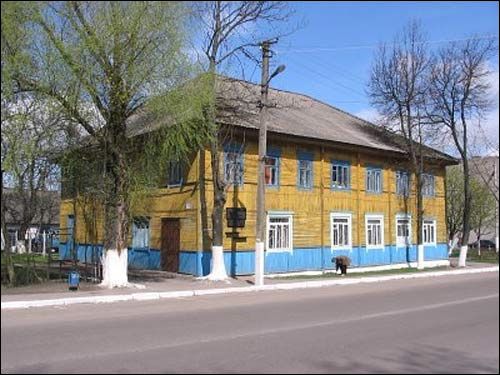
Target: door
(170, 244)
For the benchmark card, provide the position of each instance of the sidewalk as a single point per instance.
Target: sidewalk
(57, 293)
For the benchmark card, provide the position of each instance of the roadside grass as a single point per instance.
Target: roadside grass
(333, 275)
(29, 268)
(487, 256)
(26, 258)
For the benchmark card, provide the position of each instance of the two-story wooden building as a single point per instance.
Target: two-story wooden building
(336, 185)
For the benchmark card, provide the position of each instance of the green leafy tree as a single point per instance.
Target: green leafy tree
(104, 65)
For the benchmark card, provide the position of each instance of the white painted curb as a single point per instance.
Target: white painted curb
(205, 292)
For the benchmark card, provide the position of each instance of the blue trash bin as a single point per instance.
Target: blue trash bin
(73, 280)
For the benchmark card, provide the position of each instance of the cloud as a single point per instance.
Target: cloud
(369, 114)
(490, 124)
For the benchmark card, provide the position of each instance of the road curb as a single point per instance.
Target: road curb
(148, 296)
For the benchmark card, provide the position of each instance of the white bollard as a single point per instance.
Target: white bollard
(259, 263)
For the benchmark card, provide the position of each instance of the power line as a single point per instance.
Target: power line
(333, 49)
(324, 76)
(329, 87)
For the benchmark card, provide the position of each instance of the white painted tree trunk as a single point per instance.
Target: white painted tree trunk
(420, 257)
(114, 268)
(259, 263)
(44, 245)
(218, 268)
(463, 256)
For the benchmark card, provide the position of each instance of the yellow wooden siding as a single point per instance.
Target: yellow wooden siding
(169, 202)
(311, 208)
(310, 228)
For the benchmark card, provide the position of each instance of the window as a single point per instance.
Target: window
(429, 232)
(233, 166)
(340, 232)
(427, 185)
(402, 183)
(374, 231)
(374, 180)
(403, 231)
(174, 173)
(340, 175)
(305, 174)
(279, 233)
(140, 233)
(271, 171)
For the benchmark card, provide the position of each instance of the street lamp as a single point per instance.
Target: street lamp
(277, 71)
(261, 215)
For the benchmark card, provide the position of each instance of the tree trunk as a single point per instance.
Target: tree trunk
(218, 269)
(115, 258)
(206, 245)
(466, 215)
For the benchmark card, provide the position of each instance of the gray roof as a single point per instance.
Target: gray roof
(293, 114)
(300, 115)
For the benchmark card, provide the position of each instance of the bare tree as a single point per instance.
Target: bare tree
(458, 99)
(231, 29)
(30, 131)
(397, 88)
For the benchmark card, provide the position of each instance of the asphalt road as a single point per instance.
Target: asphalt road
(436, 325)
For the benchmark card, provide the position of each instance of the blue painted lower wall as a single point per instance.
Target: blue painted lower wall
(306, 259)
(242, 262)
(141, 259)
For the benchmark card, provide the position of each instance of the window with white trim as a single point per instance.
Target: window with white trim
(428, 185)
(374, 180)
(374, 231)
(402, 183)
(305, 174)
(140, 233)
(233, 167)
(279, 233)
(340, 231)
(429, 232)
(403, 231)
(271, 170)
(340, 175)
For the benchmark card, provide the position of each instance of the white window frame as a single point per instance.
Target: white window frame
(289, 216)
(404, 217)
(233, 167)
(374, 180)
(343, 175)
(306, 172)
(432, 223)
(428, 185)
(341, 215)
(403, 183)
(143, 225)
(382, 229)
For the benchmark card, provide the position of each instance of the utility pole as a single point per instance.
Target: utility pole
(495, 183)
(261, 184)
